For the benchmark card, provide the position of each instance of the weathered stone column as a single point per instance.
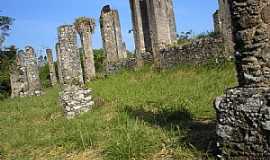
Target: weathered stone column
(111, 35)
(138, 30)
(51, 67)
(217, 22)
(18, 77)
(32, 72)
(85, 27)
(59, 64)
(70, 57)
(160, 29)
(243, 114)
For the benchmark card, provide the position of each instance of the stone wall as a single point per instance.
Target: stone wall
(51, 67)
(196, 52)
(129, 63)
(243, 115)
(111, 35)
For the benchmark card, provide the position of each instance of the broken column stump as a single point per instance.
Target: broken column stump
(243, 113)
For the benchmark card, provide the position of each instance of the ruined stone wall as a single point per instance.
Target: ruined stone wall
(32, 72)
(51, 67)
(129, 63)
(196, 52)
(111, 35)
(70, 57)
(243, 115)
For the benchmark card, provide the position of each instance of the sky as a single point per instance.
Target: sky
(36, 21)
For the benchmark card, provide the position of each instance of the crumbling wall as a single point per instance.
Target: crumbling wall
(198, 51)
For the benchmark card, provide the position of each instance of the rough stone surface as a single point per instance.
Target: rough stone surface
(18, 77)
(153, 26)
(129, 63)
(75, 100)
(70, 57)
(34, 83)
(51, 67)
(243, 113)
(196, 52)
(217, 22)
(85, 27)
(111, 35)
(59, 64)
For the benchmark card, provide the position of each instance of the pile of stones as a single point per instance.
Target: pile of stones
(75, 100)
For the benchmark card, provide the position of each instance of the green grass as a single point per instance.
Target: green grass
(138, 115)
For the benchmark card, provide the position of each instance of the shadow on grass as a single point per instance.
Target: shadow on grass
(199, 134)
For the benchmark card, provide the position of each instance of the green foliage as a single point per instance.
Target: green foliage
(7, 58)
(138, 115)
(99, 58)
(208, 35)
(44, 75)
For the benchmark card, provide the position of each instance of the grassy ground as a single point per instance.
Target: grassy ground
(138, 115)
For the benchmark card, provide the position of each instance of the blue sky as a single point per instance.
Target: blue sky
(36, 21)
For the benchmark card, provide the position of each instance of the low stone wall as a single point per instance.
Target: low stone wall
(129, 63)
(147, 57)
(75, 100)
(244, 123)
(196, 52)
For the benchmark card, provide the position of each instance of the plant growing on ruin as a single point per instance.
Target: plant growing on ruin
(81, 22)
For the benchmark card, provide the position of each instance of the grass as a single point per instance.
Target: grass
(138, 115)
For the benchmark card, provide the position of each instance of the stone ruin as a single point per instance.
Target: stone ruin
(113, 44)
(74, 98)
(243, 113)
(24, 75)
(59, 65)
(85, 27)
(51, 67)
(223, 25)
(154, 27)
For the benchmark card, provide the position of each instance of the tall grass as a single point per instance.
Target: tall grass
(139, 115)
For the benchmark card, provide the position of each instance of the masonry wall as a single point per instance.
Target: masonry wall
(196, 52)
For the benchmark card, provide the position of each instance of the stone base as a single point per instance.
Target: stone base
(243, 124)
(113, 68)
(75, 100)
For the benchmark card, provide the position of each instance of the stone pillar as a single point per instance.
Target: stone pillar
(243, 113)
(172, 21)
(226, 25)
(160, 29)
(51, 67)
(18, 77)
(111, 35)
(70, 57)
(85, 27)
(217, 22)
(32, 72)
(59, 64)
(137, 30)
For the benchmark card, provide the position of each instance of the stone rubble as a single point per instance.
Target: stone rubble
(75, 100)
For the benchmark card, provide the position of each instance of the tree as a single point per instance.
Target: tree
(5, 23)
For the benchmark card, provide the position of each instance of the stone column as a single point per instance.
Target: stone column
(18, 77)
(85, 27)
(32, 72)
(70, 57)
(243, 113)
(51, 67)
(217, 22)
(59, 64)
(111, 35)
